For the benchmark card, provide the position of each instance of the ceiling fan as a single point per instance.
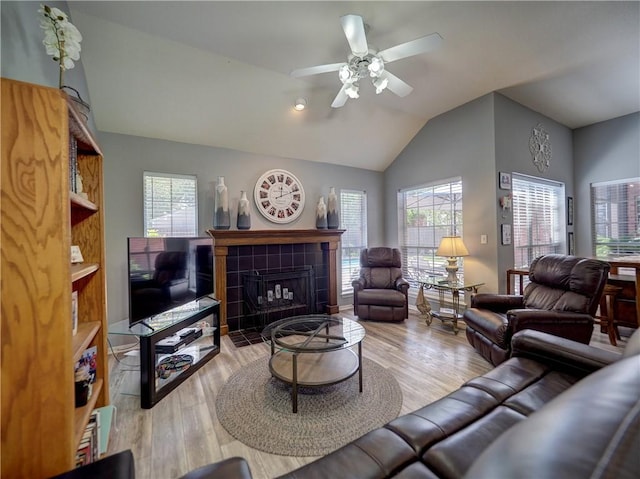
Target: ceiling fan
(364, 62)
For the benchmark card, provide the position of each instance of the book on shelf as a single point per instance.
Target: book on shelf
(105, 418)
(74, 312)
(88, 361)
(89, 447)
(73, 162)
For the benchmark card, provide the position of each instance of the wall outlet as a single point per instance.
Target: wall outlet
(483, 239)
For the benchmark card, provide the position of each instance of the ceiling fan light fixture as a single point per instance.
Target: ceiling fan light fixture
(352, 91)
(380, 84)
(376, 66)
(300, 104)
(345, 74)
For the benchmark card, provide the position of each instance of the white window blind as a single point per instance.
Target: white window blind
(428, 213)
(170, 205)
(538, 218)
(615, 210)
(353, 219)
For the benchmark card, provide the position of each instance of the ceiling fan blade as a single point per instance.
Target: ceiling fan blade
(396, 85)
(414, 47)
(303, 72)
(353, 27)
(341, 98)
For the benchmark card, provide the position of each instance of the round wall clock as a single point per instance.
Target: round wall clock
(540, 147)
(279, 196)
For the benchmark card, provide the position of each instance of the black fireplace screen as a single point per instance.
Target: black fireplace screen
(273, 296)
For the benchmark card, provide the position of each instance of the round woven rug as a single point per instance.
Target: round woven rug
(256, 409)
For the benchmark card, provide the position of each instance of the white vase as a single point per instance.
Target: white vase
(333, 218)
(321, 214)
(244, 214)
(222, 218)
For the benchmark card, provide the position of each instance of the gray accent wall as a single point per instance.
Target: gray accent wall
(23, 55)
(457, 143)
(604, 151)
(127, 157)
(513, 127)
(476, 141)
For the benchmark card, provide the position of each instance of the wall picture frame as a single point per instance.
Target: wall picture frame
(505, 234)
(570, 210)
(504, 180)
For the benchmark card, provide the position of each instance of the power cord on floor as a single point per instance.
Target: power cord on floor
(129, 348)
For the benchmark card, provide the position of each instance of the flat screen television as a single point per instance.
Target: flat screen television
(167, 272)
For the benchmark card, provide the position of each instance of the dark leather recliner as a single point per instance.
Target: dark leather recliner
(561, 299)
(380, 293)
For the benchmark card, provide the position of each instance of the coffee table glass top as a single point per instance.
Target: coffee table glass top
(314, 333)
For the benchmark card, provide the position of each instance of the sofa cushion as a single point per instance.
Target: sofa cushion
(591, 430)
(382, 297)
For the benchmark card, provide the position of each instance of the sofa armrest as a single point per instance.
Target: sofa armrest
(116, 466)
(358, 284)
(536, 318)
(499, 303)
(402, 285)
(562, 353)
(232, 468)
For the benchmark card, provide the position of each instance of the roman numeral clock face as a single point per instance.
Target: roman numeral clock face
(279, 196)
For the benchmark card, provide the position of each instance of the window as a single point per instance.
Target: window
(353, 218)
(538, 218)
(170, 205)
(615, 210)
(428, 213)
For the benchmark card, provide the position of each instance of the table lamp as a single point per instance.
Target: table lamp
(452, 248)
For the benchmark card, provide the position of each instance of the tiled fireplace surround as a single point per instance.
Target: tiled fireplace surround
(272, 251)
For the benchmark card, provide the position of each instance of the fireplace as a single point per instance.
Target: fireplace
(269, 297)
(241, 252)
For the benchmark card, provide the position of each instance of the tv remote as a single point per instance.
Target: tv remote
(183, 333)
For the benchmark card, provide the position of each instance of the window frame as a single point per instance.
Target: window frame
(434, 265)
(347, 249)
(171, 209)
(602, 249)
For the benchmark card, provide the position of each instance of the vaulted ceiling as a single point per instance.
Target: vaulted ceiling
(217, 73)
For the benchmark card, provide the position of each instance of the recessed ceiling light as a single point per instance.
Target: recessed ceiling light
(300, 104)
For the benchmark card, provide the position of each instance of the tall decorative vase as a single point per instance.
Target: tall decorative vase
(333, 218)
(244, 214)
(321, 214)
(222, 218)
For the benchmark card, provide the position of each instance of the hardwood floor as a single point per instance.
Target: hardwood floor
(182, 432)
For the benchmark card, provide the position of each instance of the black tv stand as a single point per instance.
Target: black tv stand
(157, 378)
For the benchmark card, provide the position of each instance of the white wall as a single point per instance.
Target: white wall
(605, 151)
(127, 157)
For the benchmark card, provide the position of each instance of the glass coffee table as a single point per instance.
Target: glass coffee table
(314, 350)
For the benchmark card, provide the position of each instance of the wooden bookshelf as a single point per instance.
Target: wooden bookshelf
(40, 219)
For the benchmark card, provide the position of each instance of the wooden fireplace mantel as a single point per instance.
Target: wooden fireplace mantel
(222, 239)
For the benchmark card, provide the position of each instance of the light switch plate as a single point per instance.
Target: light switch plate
(483, 239)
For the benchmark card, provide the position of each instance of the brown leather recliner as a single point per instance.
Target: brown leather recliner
(561, 299)
(380, 293)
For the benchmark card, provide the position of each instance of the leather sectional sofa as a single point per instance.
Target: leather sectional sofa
(556, 408)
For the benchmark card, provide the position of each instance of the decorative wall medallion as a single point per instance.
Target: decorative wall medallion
(279, 196)
(540, 147)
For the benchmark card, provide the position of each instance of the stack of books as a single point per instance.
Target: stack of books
(89, 447)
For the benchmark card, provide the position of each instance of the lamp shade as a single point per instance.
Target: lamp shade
(452, 246)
